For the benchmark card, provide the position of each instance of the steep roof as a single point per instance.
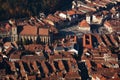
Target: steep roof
(107, 23)
(29, 30)
(71, 12)
(113, 22)
(43, 31)
(84, 23)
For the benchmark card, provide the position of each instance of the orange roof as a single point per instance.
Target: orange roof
(43, 31)
(88, 64)
(33, 47)
(44, 66)
(61, 65)
(114, 22)
(72, 75)
(84, 23)
(12, 66)
(48, 21)
(7, 44)
(7, 26)
(52, 18)
(71, 12)
(107, 23)
(29, 30)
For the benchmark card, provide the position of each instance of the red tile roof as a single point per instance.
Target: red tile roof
(7, 26)
(53, 66)
(52, 18)
(22, 70)
(29, 30)
(115, 22)
(61, 65)
(34, 64)
(72, 75)
(44, 31)
(107, 23)
(12, 66)
(84, 23)
(48, 22)
(71, 12)
(33, 47)
(44, 66)
(15, 55)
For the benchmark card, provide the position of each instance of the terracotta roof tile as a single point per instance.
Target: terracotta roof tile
(12, 66)
(114, 22)
(60, 64)
(48, 22)
(22, 70)
(71, 12)
(113, 40)
(15, 55)
(7, 26)
(29, 30)
(106, 40)
(45, 69)
(52, 18)
(107, 23)
(72, 75)
(31, 77)
(84, 23)
(33, 57)
(7, 44)
(35, 66)
(43, 31)
(90, 4)
(33, 47)
(53, 66)
(69, 65)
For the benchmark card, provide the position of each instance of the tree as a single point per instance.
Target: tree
(25, 8)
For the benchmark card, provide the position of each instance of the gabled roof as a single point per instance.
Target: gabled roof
(84, 23)
(52, 18)
(7, 26)
(29, 30)
(48, 22)
(43, 31)
(71, 12)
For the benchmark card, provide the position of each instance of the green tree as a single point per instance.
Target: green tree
(24, 8)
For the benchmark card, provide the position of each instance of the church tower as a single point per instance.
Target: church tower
(14, 36)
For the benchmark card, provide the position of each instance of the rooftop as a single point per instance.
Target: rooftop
(29, 30)
(43, 31)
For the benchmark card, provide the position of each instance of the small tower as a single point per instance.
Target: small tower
(87, 41)
(14, 36)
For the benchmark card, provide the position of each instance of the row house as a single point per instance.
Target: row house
(106, 40)
(24, 69)
(113, 40)
(112, 25)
